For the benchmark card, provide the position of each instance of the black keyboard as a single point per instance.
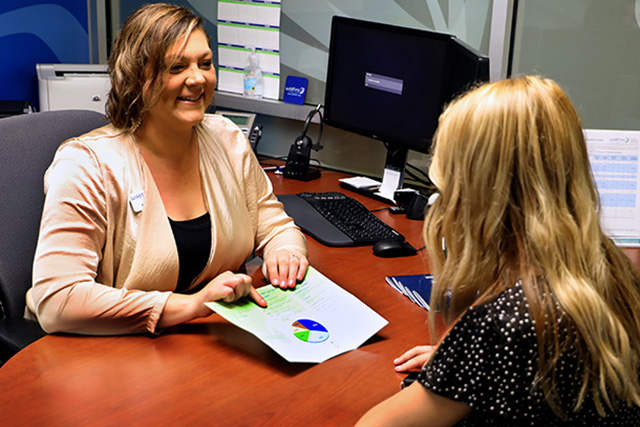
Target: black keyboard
(335, 219)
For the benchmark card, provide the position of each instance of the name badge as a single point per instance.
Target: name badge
(137, 201)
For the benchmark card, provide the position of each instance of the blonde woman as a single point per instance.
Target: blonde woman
(153, 215)
(542, 308)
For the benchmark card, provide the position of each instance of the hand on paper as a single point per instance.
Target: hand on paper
(414, 358)
(227, 287)
(285, 268)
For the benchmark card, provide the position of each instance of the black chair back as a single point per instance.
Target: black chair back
(27, 146)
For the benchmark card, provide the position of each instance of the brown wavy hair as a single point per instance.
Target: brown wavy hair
(137, 64)
(518, 203)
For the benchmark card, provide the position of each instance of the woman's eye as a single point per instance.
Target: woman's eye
(176, 68)
(206, 64)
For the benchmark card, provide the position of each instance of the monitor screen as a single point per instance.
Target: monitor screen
(390, 83)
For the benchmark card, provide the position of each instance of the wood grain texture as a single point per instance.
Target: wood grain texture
(209, 372)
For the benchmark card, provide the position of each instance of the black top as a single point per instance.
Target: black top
(193, 239)
(489, 360)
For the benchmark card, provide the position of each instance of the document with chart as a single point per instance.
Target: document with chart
(315, 322)
(614, 157)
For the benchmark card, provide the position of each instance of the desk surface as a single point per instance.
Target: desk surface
(211, 372)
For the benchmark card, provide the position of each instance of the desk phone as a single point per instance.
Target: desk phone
(245, 122)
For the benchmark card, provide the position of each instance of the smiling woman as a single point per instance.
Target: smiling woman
(153, 215)
(188, 86)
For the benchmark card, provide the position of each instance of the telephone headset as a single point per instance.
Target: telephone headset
(297, 166)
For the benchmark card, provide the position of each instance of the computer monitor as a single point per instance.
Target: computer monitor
(468, 67)
(390, 83)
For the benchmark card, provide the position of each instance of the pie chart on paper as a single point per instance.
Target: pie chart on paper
(308, 330)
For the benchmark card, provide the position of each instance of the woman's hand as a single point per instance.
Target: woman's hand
(228, 287)
(285, 268)
(414, 358)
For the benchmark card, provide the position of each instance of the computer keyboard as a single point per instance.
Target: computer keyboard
(335, 219)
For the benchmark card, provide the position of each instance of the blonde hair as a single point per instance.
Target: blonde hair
(137, 63)
(518, 203)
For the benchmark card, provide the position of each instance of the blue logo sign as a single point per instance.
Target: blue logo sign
(295, 90)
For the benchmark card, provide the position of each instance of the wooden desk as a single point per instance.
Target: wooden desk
(210, 372)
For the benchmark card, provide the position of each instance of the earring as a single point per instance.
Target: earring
(136, 123)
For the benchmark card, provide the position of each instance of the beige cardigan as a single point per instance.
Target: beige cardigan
(106, 260)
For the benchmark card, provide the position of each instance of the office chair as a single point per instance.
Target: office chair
(27, 145)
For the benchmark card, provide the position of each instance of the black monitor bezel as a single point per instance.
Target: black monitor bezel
(481, 62)
(390, 138)
(446, 48)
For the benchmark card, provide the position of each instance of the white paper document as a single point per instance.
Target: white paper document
(614, 157)
(315, 322)
(243, 25)
(361, 182)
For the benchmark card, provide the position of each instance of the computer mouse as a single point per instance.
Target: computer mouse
(393, 248)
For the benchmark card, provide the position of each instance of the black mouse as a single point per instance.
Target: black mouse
(393, 248)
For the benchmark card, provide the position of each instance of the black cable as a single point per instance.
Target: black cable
(318, 162)
(319, 146)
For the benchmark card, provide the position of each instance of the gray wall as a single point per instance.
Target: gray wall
(304, 52)
(590, 47)
(304, 44)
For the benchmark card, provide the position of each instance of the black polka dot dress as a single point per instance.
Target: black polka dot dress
(489, 360)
